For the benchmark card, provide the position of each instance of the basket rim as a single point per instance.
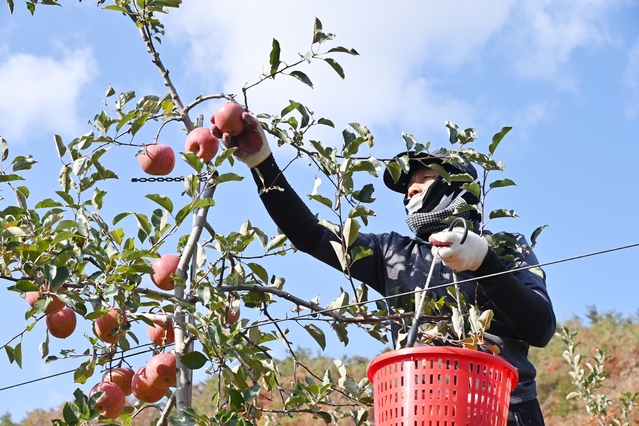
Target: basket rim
(390, 357)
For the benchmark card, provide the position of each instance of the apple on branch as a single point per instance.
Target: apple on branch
(161, 332)
(61, 324)
(143, 389)
(121, 376)
(163, 267)
(112, 401)
(110, 327)
(228, 119)
(55, 305)
(156, 159)
(202, 143)
(160, 370)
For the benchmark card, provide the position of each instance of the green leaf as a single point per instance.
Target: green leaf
(229, 177)
(360, 252)
(302, 77)
(44, 347)
(317, 30)
(164, 201)
(10, 178)
(61, 148)
(317, 334)
(337, 67)
(535, 235)
(341, 49)
(326, 122)
(61, 236)
(364, 195)
(501, 183)
(4, 146)
(274, 57)
(497, 139)
(339, 252)
(120, 216)
(259, 271)
(327, 202)
(498, 213)
(342, 333)
(324, 416)
(47, 203)
(17, 353)
(193, 160)
(350, 231)
(252, 393)
(10, 4)
(277, 242)
(338, 304)
(10, 353)
(194, 360)
(143, 223)
(70, 414)
(23, 163)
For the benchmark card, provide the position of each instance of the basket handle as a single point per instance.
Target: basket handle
(414, 328)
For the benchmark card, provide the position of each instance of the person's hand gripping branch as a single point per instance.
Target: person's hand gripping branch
(252, 146)
(458, 256)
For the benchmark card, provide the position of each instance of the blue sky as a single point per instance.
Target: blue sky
(564, 74)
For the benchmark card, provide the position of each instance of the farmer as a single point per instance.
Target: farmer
(523, 313)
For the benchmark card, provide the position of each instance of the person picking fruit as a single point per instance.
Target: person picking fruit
(523, 312)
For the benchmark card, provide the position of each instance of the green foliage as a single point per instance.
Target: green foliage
(65, 243)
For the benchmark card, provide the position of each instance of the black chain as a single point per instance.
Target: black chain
(203, 177)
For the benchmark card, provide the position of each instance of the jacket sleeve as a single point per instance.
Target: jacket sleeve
(286, 208)
(304, 231)
(520, 298)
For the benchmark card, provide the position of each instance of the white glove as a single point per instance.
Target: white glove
(459, 257)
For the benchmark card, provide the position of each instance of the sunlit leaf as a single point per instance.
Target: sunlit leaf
(194, 360)
(317, 334)
(497, 139)
(164, 201)
(302, 77)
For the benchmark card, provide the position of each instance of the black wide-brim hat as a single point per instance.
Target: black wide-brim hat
(424, 158)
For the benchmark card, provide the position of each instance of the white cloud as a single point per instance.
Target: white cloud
(42, 92)
(549, 32)
(390, 84)
(631, 80)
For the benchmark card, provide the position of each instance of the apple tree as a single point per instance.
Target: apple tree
(76, 259)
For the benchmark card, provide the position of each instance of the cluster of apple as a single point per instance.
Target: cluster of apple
(60, 319)
(149, 383)
(159, 159)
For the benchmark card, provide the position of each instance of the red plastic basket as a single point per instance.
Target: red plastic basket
(440, 386)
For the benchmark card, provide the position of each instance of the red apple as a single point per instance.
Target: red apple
(202, 142)
(161, 333)
(143, 389)
(160, 370)
(228, 118)
(121, 376)
(157, 159)
(232, 315)
(61, 324)
(110, 327)
(112, 401)
(163, 267)
(53, 307)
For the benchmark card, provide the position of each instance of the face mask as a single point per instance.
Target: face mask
(437, 196)
(414, 204)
